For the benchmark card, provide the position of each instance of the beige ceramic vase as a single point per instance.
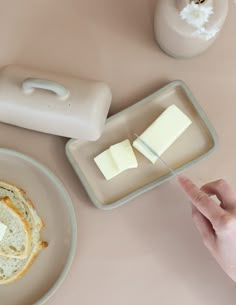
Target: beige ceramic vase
(175, 36)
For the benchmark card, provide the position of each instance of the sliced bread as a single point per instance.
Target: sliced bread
(24, 205)
(16, 241)
(12, 269)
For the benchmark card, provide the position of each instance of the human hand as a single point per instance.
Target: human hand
(216, 223)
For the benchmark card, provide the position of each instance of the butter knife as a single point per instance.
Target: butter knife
(151, 150)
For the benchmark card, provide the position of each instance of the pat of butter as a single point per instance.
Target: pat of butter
(3, 229)
(163, 132)
(107, 165)
(123, 155)
(118, 158)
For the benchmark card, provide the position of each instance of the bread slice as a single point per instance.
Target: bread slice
(12, 269)
(17, 238)
(22, 203)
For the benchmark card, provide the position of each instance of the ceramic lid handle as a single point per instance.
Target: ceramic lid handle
(30, 84)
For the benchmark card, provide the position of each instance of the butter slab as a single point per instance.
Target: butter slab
(163, 132)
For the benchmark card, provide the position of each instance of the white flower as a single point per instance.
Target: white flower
(196, 15)
(205, 34)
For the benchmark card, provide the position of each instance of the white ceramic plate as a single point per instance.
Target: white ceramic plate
(55, 208)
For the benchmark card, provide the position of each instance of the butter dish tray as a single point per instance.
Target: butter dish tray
(198, 142)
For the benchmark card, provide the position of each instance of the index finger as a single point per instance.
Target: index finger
(206, 205)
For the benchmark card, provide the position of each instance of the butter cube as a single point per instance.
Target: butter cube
(3, 229)
(107, 165)
(123, 155)
(118, 158)
(163, 132)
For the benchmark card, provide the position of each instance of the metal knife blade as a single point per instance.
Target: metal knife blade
(155, 154)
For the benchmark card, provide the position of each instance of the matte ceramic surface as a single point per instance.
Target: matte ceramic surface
(53, 103)
(55, 208)
(174, 35)
(195, 144)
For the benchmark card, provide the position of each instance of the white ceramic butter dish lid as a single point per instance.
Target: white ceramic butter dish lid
(53, 103)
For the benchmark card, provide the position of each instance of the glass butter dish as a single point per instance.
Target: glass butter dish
(195, 144)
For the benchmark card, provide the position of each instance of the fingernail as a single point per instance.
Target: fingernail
(183, 178)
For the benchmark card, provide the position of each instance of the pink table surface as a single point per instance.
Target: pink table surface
(146, 252)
